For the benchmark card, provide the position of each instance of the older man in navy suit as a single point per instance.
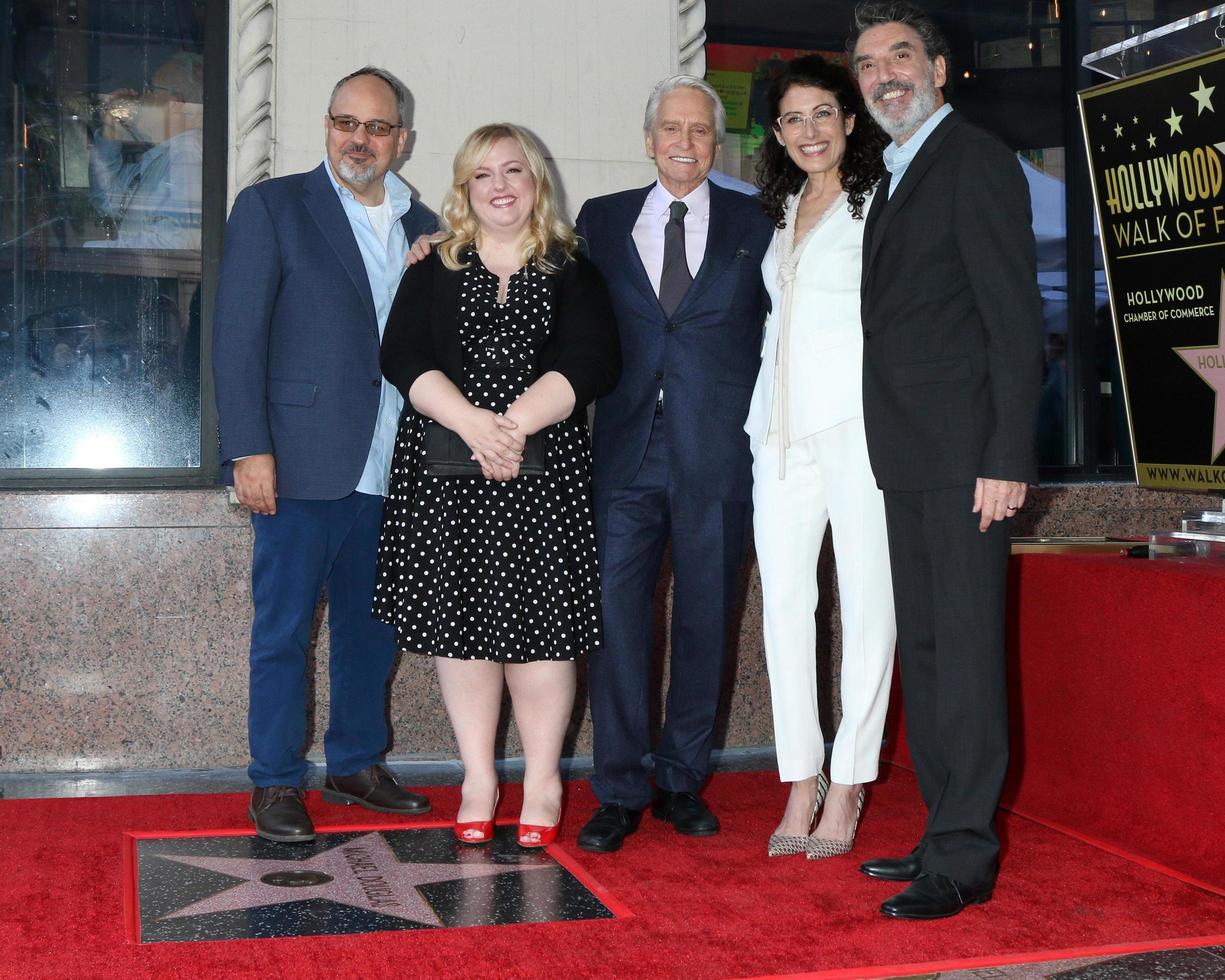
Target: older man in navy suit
(671, 461)
(307, 426)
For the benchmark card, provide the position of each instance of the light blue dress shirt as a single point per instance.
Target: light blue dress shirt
(384, 263)
(154, 200)
(897, 158)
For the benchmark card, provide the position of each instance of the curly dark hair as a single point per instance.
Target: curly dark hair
(862, 165)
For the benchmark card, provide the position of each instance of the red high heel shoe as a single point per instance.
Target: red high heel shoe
(476, 831)
(538, 835)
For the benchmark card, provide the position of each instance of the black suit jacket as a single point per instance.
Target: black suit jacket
(952, 317)
(422, 332)
(705, 356)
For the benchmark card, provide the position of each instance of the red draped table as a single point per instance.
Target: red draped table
(1118, 704)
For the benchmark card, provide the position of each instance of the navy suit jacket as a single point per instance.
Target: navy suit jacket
(705, 356)
(295, 336)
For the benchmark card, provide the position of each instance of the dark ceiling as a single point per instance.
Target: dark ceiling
(822, 23)
(1028, 107)
(795, 23)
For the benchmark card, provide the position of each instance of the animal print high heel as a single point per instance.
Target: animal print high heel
(781, 845)
(824, 847)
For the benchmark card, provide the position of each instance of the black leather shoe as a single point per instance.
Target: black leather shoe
(934, 896)
(686, 812)
(375, 789)
(279, 814)
(608, 827)
(907, 868)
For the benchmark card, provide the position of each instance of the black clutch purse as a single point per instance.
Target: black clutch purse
(446, 454)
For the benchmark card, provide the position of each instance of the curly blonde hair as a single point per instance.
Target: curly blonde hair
(547, 234)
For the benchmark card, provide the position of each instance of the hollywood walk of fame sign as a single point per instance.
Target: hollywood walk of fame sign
(242, 887)
(1156, 144)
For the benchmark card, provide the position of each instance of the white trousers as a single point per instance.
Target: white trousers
(828, 481)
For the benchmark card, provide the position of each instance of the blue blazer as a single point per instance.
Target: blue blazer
(295, 336)
(705, 357)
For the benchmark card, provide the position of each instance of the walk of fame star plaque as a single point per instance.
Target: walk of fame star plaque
(239, 886)
(1156, 147)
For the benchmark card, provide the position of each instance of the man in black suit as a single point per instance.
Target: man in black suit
(952, 327)
(670, 458)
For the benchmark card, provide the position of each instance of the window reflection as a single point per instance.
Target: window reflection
(1009, 76)
(100, 217)
(145, 159)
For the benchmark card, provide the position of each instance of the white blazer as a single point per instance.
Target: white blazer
(820, 350)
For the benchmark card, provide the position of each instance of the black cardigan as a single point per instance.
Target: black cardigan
(422, 330)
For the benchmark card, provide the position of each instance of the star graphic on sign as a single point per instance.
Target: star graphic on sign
(1203, 97)
(1152, 141)
(1133, 147)
(1135, 120)
(363, 873)
(1118, 129)
(1103, 117)
(1174, 121)
(1209, 363)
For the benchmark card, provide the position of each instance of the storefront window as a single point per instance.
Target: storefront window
(101, 208)
(1015, 71)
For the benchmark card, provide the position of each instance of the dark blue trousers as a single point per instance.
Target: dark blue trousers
(306, 544)
(633, 526)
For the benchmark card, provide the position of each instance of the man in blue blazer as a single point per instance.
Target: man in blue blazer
(671, 462)
(307, 425)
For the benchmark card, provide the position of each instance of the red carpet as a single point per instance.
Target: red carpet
(701, 908)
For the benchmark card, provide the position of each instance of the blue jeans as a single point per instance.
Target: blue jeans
(306, 544)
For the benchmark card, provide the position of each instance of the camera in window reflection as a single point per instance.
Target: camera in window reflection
(146, 157)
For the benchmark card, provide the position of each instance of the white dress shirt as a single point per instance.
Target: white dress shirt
(649, 229)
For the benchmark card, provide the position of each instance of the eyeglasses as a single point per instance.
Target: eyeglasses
(822, 115)
(375, 127)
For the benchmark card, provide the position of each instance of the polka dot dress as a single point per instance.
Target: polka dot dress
(480, 570)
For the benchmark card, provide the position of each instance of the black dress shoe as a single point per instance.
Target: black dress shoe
(608, 827)
(279, 814)
(375, 789)
(934, 896)
(907, 868)
(686, 812)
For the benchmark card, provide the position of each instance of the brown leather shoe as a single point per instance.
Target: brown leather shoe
(375, 789)
(279, 814)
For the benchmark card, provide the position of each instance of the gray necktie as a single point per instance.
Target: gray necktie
(675, 279)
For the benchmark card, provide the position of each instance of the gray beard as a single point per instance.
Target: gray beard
(356, 175)
(921, 107)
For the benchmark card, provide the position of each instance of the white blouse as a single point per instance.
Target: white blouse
(811, 375)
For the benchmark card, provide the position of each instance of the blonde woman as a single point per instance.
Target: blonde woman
(503, 333)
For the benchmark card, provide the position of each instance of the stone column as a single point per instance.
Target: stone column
(252, 75)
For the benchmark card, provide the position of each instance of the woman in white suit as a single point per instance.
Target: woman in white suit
(810, 458)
